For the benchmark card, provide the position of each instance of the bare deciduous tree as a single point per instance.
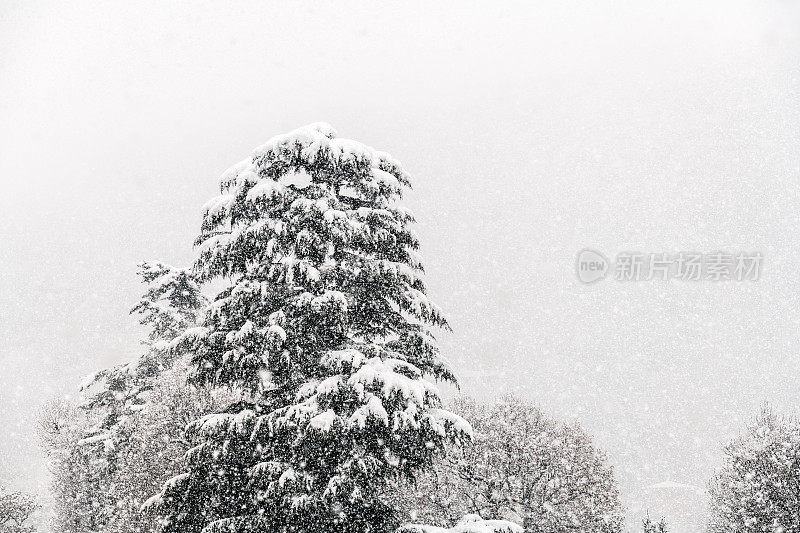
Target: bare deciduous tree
(758, 488)
(16, 509)
(521, 466)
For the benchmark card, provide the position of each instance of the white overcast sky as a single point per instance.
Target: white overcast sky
(533, 130)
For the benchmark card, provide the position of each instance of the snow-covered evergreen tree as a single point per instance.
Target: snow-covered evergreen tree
(170, 306)
(758, 488)
(326, 326)
(110, 453)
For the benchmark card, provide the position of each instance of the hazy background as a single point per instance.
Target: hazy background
(533, 130)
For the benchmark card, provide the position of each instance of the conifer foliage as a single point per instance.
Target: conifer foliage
(170, 305)
(325, 327)
(114, 449)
